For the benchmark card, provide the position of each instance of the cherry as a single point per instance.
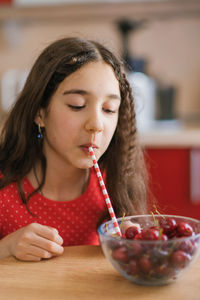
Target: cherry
(145, 264)
(121, 254)
(154, 227)
(158, 256)
(163, 270)
(168, 225)
(131, 232)
(184, 229)
(114, 244)
(173, 234)
(164, 237)
(150, 234)
(135, 249)
(180, 259)
(138, 236)
(188, 247)
(133, 267)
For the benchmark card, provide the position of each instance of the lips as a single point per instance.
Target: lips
(89, 145)
(85, 147)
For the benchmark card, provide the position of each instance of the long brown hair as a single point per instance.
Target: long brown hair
(123, 162)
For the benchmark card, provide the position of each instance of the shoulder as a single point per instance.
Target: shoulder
(1, 199)
(8, 191)
(1, 195)
(9, 197)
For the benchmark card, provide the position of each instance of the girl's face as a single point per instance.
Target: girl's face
(82, 112)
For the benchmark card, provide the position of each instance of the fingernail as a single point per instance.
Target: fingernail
(61, 249)
(60, 240)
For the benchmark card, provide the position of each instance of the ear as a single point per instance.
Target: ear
(39, 119)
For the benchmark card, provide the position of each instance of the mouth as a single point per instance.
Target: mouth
(85, 147)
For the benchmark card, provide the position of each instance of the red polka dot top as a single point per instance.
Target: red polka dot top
(75, 220)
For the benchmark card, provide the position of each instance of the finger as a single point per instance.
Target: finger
(39, 252)
(48, 232)
(29, 257)
(47, 245)
(59, 239)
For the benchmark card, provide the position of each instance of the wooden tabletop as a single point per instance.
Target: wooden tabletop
(84, 273)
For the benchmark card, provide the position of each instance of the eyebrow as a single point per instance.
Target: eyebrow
(83, 92)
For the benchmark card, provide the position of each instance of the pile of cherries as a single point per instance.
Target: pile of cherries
(155, 261)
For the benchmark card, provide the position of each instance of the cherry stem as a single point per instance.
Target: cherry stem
(156, 210)
(155, 220)
(106, 227)
(122, 220)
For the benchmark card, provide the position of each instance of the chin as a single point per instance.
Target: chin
(85, 165)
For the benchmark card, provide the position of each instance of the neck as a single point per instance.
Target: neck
(61, 186)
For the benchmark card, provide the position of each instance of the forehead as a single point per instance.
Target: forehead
(94, 76)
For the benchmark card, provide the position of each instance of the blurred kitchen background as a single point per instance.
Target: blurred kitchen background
(160, 42)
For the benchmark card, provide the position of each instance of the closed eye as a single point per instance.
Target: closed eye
(109, 111)
(76, 107)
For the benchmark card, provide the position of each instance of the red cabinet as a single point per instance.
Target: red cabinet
(175, 179)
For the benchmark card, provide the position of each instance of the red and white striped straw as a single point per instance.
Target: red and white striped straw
(104, 191)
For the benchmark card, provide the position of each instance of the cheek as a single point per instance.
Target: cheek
(113, 126)
(57, 129)
(64, 125)
(110, 129)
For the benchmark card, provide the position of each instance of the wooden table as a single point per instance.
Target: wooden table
(84, 273)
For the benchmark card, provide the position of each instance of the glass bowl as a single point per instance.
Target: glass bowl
(151, 262)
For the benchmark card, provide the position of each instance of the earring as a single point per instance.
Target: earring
(39, 135)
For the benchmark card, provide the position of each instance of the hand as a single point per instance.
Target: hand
(34, 242)
(127, 224)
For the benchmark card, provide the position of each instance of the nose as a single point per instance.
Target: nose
(94, 124)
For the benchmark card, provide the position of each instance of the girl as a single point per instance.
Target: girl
(75, 96)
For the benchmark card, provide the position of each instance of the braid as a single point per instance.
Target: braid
(126, 176)
(127, 125)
